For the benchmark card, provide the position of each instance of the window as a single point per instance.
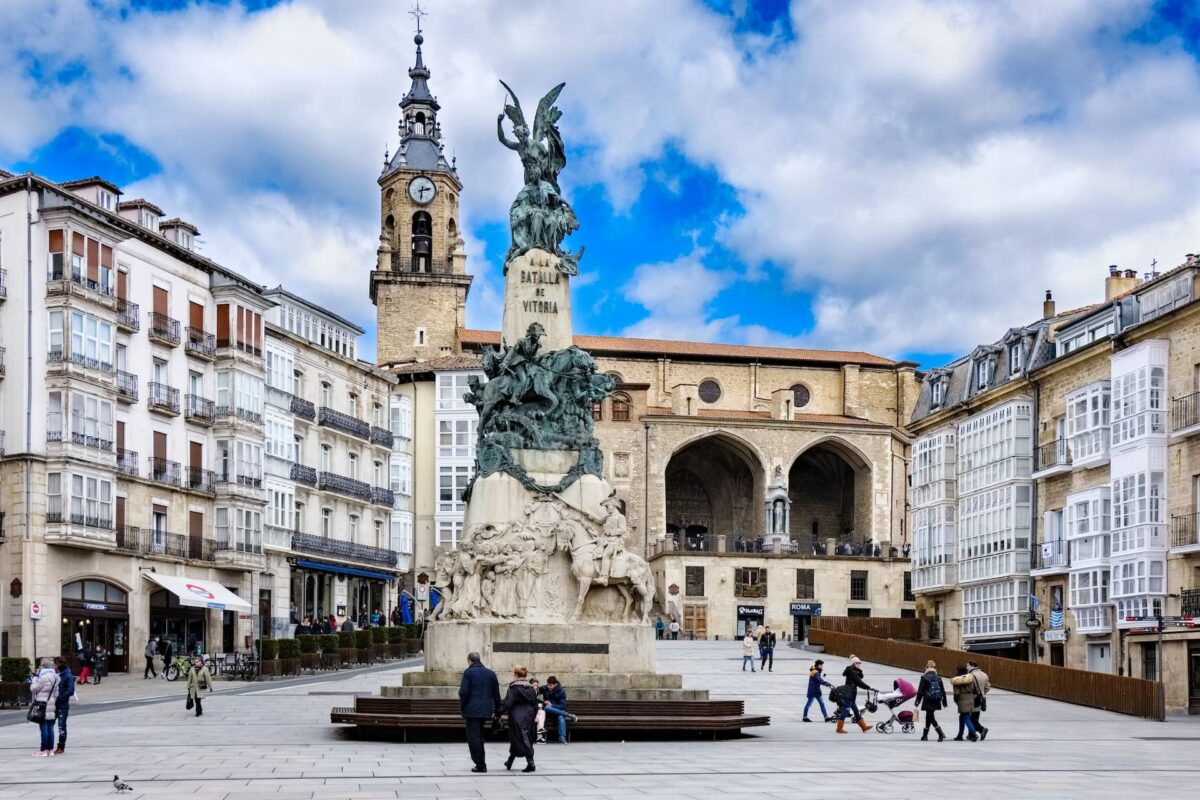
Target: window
(354, 528)
(1015, 354)
(87, 501)
(983, 373)
(805, 584)
(352, 466)
(400, 474)
(456, 438)
(400, 416)
(281, 437)
(694, 581)
(377, 474)
(750, 582)
(326, 394)
(281, 372)
(352, 404)
(800, 396)
(1087, 420)
(240, 394)
(240, 328)
(297, 383)
(451, 388)
(449, 531)
(1150, 661)
(937, 392)
(326, 522)
(452, 482)
(239, 462)
(419, 337)
(908, 594)
(379, 535)
(106, 199)
(710, 391)
(91, 339)
(91, 420)
(377, 415)
(620, 408)
(1138, 404)
(858, 584)
(54, 334)
(326, 458)
(281, 506)
(858, 612)
(1089, 588)
(598, 411)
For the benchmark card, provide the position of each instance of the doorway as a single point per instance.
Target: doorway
(1099, 658)
(800, 623)
(1194, 677)
(95, 613)
(1057, 656)
(695, 621)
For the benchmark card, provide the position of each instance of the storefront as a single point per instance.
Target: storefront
(749, 618)
(179, 612)
(802, 614)
(1017, 649)
(95, 613)
(357, 592)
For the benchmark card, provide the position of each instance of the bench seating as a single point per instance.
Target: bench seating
(671, 717)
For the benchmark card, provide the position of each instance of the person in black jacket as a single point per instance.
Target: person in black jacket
(521, 705)
(478, 701)
(766, 648)
(554, 701)
(931, 698)
(849, 694)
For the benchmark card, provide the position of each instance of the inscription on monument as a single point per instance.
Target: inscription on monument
(550, 647)
(539, 279)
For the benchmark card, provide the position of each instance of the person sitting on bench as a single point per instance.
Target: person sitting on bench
(554, 700)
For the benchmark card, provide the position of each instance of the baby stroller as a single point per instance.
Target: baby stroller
(902, 692)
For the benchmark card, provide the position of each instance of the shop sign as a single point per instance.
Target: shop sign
(750, 611)
(96, 606)
(1055, 636)
(806, 609)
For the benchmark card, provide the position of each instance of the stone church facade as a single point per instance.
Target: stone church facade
(701, 441)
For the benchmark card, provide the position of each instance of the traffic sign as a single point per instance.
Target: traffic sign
(35, 610)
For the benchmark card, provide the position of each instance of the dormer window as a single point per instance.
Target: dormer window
(106, 200)
(148, 220)
(1015, 355)
(983, 374)
(185, 239)
(937, 392)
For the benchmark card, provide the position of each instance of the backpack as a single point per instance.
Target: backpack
(934, 691)
(835, 694)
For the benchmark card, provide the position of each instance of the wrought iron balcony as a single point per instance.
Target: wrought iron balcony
(164, 471)
(1189, 602)
(201, 410)
(382, 497)
(382, 436)
(162, 398)
(201, 480)
(343, 422)
(127, 386)
(232, 413)
(349, 551)
(200, 344)
(94, 442)
(343, 485)
(303, 474)
(303, 408)
(246, 475)
(128, 315)
(56, 358)
(1054, 456)
(163, 329)
(1052, 555)
(1185, 414)
(152, 542)
(58, 517)
(1185, 530)
(127, 462)
(127, 539)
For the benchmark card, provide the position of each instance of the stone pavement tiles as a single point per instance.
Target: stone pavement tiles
(276, 741)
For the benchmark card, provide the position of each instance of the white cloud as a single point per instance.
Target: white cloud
(925, 169)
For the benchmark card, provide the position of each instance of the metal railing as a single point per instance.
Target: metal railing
(164, 471)
(1185, 412)
(426, 264)
(226, 412)
(127, 462)
(58, 281)
(199, 343)
(127, 539)
(382, 497)
(343, 485)
(1051, 555)
(201, 480)
(94, 442)
(151, 542)
(162, 398)
(245, 476)
(1052, 454)
(351, 551)
(201, 409)
(164, 328)
(1185, 529)
(303, 408)
(1189, 602)
(382, 436)
(935, 630)
(343, 422)
(303, 474)
(127, 386)
(55, 357)
(58, 518)
(128, 315)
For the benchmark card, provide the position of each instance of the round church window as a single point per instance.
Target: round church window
(710, 391)
(800, 396)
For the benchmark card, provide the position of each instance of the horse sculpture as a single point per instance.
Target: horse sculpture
(629, 573)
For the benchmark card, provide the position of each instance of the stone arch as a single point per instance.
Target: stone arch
(713, 486)
(93, 576)
(829, 486)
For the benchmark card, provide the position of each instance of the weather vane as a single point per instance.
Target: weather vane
(416, 13)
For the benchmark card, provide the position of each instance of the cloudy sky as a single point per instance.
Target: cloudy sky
(898, 176)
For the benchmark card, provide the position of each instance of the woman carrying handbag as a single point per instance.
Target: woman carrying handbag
(43, 709)
(200, 680)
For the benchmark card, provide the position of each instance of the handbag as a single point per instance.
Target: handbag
(37, 711)
(190, 703)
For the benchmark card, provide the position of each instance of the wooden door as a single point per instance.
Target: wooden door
(196, 534)
(695, 621)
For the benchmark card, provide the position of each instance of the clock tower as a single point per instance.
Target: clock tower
(419, 285)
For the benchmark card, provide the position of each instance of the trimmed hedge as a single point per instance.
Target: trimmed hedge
(395, 635)
(288, 648)
(14, 669)
(330, 643)
(379, 635)
(308, 642)
(362, 639)
(346, 638)
(270, 649)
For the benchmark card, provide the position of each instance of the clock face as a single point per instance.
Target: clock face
(421, 190)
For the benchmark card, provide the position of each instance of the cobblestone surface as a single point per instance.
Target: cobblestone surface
(276, 741)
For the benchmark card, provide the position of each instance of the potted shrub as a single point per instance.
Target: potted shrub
(289, 656)
(347, 646)
(362, 640)
(414, 641)
(14, 691)
(379, 640)
(331, 656)
(396, 641)
(270, 658)
(310, 645)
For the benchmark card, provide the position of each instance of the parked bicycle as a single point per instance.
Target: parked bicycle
(179, 667)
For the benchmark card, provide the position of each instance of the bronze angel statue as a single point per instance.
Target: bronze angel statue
(540, 217)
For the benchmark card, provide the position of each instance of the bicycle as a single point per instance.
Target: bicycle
(249, 670)
(179, 667)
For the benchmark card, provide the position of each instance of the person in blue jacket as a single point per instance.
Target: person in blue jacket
(66, 690)
(816, 679)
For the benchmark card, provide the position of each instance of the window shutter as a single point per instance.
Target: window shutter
(120, 435)
(241, 327)
(160, 301)
(122, 285)
(57, 241)
(196, 315)
(160, 445)
(93, 260)
(77, 244)
(106, 256)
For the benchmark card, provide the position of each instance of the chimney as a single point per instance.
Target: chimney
(1048, 306)
(1118, 283)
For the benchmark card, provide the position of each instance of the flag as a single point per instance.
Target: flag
(1056, 615)
(1033, 603)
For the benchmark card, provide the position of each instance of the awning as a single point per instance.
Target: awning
(199, 593)
(1003, 645)
(362, 573)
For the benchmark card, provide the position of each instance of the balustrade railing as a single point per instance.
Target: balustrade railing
(164, 329)
(341, 484)
(199, 343)
(127, 386)
(303, 408)
(303, 474)
(343, 422)
(351, 551)
(161, 397)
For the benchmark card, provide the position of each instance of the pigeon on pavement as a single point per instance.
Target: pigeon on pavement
(120, 785)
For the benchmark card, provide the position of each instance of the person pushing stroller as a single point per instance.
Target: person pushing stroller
(847, 695)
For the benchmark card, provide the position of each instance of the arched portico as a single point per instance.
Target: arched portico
(713, 487)
(829, 485)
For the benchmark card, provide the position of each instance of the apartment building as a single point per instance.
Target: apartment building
(338, 530)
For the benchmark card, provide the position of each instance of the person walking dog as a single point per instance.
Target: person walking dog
(478, 701)
(521, 705)
(816, 679)
(931, 698)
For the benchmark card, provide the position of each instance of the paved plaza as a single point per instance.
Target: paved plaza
(275, 740)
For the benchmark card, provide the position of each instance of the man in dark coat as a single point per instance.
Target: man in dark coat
(766, 648)
(478, 701)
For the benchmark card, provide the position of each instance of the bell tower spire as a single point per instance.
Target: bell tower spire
(420, 282)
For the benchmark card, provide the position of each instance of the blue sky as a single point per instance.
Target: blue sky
(897, 176)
